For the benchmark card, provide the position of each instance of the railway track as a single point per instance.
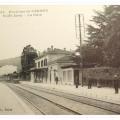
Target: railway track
(89, 101)
(36, 102)
(65, 102)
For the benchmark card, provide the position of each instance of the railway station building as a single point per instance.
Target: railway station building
(55, 62)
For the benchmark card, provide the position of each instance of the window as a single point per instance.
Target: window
(42, 63)
(38, 64)
(45, 62)
(69, 75)
(64, 76)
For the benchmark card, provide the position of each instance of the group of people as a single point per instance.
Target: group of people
(116, 82)
(90, 81)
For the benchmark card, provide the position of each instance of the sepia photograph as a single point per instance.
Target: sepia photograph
(59, 59)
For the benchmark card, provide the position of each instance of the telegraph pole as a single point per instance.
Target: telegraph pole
(80, 41)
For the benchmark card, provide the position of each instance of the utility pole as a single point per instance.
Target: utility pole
(79, 26)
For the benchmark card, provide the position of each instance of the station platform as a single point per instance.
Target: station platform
(103, 93)
(11, 104)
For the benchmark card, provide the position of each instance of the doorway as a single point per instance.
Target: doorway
(76, 76)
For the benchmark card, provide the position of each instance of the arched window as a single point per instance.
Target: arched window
(38, 64)
(42, 63)
(45, 62)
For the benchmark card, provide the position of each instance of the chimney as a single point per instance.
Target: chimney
(38, 53)
(48, 49)
(51, 47)
(64, 49)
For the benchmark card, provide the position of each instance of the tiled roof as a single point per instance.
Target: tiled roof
(65, 59)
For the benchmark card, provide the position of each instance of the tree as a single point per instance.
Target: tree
(27, 58)
(96, 33)
(105, 34)
(90, 55)
(113, 35)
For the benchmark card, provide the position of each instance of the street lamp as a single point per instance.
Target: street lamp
(80, 62)
(79, 23)
(50, 74)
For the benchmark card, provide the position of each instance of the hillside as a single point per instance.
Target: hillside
(11, 61)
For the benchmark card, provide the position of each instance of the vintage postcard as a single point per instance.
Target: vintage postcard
(59, 59)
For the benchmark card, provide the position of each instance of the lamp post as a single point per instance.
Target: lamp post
(79, 26)
(80, 66)
(50, 74)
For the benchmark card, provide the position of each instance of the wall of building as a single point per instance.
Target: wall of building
(68, 76)
(65, 76)
(32, 77)
(52, 72)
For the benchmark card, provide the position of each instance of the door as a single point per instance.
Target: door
(76, 76)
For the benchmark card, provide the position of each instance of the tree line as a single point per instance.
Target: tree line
(103, 45)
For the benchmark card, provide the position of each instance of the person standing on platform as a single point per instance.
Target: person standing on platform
(116, 83)
(56, 79)
(76, 81)
(89, 83)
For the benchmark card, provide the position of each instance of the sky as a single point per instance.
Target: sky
(54, 25)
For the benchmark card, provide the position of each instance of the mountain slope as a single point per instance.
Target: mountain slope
(11, 61)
